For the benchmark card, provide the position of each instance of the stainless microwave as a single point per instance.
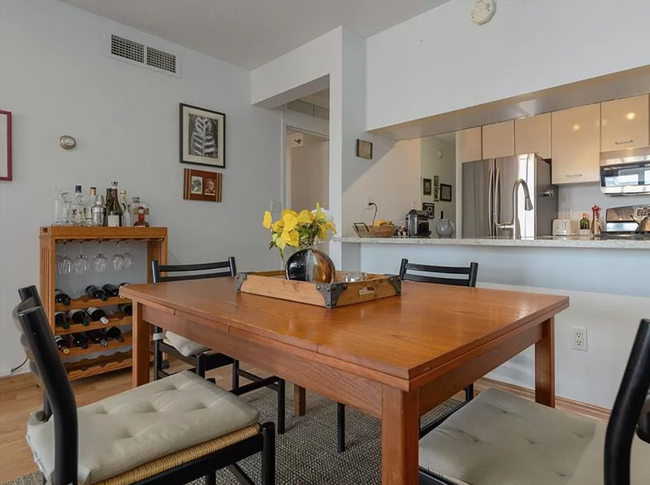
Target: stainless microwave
(625, 172)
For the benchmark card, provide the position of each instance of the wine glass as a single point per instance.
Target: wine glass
(100, 261)
(65, 264)
(118, 259)
(81, 264)
(128, 257)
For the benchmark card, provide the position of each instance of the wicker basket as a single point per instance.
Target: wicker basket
(363, 230)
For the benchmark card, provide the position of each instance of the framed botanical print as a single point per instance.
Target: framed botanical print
(445, 193)
(202, 185)
(203, 136)
(426, 186)
(5, 145)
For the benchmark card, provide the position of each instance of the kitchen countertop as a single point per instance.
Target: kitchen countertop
(543, 242)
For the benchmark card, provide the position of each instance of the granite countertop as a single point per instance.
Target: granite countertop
(543, 242)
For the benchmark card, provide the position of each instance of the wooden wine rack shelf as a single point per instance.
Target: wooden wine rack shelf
(114, 320)
(156, 240)
(86, 302)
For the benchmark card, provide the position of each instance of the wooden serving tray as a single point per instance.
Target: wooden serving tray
(329, 295)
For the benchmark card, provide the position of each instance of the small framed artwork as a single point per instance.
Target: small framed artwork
(445, 193)
(430, 209)
(202, 185)
(436, 193)
(203, 136)
(364, 149)
(5, 145)
(436, 181)
(426, 186)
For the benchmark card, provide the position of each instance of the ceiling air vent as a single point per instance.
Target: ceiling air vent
(145, 56)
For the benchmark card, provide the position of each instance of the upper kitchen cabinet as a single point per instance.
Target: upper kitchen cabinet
(469, 144)
(625, 123)
(575, 145)
(499, 140)
(533, 135)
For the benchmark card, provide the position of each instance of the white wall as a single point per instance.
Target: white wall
(440, 61)
(308, 174)
(445, 168)
(56, 78)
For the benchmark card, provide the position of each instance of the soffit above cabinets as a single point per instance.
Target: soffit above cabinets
(620, 85)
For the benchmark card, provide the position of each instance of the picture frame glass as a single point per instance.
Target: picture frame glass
(202, 136)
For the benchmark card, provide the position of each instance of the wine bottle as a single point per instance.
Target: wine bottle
(78, 316)
(78, 207)
(141, 222)
(99, 212)
(113, 209)
(126, 215)
(97, 315)
(80, 340)
(97, 337)
(90, 203)
(115, 333)
(97, 293)
(60, 297)
(111, 290)
(63, 344)
(126, 308)
(61, 320)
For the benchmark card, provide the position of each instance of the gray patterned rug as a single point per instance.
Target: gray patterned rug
(306, 453)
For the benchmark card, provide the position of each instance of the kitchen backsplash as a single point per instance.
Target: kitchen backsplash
(576, 199)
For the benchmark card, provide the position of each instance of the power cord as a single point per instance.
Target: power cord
(16, 368)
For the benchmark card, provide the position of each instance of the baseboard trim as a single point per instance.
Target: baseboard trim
(569, 405)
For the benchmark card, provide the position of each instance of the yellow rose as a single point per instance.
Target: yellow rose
(305, 217)
(331, 226)
(268, 220)
(288, 211)
(278, 225)
(292, 238)
(290, 221)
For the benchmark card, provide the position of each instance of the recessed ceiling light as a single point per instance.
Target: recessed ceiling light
(630, 116)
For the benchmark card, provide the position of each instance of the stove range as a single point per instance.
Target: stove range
(622, 222)
(629, 236)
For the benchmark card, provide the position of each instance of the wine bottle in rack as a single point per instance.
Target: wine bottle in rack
(78, 316)
(63, 344)
(60, 297)
(97, 315)
(96, 293)
(111, 290)
(97, 337)
(126, 308)
(115, 333)
(113, 208)
(80, 340)
(61, 320)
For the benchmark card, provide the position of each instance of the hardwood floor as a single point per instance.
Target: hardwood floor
(19, 396)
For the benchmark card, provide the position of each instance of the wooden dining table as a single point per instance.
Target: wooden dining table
(394, 358)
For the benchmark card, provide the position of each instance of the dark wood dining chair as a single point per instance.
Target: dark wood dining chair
(447, 275)
(505, 439)
(171, 431)
(202, 358)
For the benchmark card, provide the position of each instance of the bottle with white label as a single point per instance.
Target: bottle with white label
(97, 315)
(113, 208)
(126, 214)
(88, 210)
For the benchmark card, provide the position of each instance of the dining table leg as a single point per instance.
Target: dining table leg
(299, 401)
(140, 352)
(545, 365)
(399, 437)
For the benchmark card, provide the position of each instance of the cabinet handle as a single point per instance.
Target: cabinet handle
(623, 142)
(574, 175)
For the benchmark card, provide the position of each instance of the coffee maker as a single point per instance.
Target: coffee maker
(417, 224)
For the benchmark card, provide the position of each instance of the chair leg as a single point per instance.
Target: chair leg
(340, 427)
(235, 374)
(200, 365)
(157, 355)
(268, 454)
(281, 405)
(469, 392)
(210, 479)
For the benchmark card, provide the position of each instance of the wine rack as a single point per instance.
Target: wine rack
(156, 240)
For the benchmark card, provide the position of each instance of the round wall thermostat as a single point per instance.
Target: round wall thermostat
(483, 11)
(67, 142)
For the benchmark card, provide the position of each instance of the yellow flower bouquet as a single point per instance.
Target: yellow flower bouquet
(298, 229)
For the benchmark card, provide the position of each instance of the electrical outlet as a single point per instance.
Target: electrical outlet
(414, 203)
(369, 200)
(276, 206)
(580, 339)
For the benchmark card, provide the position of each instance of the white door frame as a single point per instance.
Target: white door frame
(304, 124)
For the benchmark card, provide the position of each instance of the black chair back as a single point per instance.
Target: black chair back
(221, 269)
(464, 276)
(47, 369)
(631, 411)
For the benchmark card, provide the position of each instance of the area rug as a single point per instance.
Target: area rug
(306, 453)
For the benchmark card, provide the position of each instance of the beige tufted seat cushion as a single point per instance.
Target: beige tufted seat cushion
(140, 425)
(501, 439)
(184, 345)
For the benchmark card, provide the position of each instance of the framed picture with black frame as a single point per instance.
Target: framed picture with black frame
(426, 186)
(445, 193)
(202, 136)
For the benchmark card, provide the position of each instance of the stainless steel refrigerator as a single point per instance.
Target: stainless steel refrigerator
(488, 196)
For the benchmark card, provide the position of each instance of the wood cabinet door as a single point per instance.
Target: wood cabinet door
(469, 145)
(575, 145)
(533, 135)
(499, 140)
(625, 123)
